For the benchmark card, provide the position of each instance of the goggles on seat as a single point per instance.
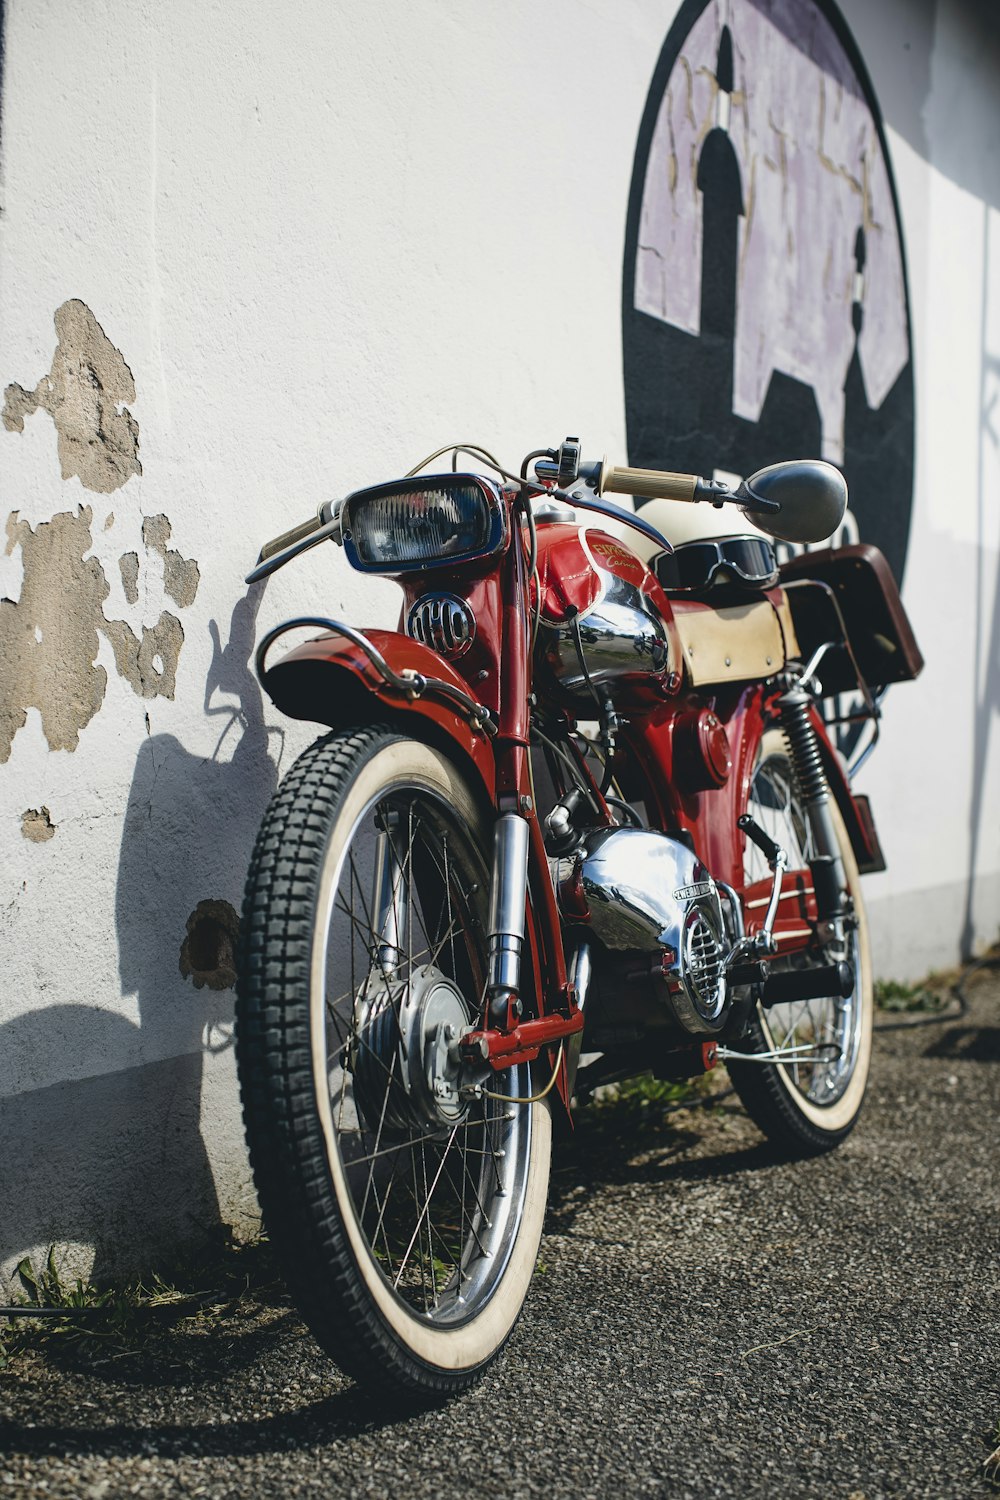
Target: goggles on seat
(695, 566)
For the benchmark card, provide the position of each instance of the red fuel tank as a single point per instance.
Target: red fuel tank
(604, 617)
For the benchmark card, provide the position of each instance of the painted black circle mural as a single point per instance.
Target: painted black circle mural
(765, 310)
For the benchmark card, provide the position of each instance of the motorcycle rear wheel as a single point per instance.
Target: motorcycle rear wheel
(806, 1108)
(407, 1220)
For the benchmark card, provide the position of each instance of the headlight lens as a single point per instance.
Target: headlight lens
(419, 523)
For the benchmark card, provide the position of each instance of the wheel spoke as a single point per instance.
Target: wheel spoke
(378, 1138)
(356, 887)
(429, 1221)
(482, 1212)
(423, 1212)
(379, 1226)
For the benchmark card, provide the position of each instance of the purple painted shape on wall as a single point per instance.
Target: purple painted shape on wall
(813, 173)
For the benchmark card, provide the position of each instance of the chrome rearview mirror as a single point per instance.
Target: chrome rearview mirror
(812, 496)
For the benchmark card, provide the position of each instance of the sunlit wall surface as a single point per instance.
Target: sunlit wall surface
(253, 256)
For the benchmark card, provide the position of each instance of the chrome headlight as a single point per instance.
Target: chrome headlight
(432, 520)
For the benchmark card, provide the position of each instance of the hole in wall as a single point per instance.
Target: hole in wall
(208, 952)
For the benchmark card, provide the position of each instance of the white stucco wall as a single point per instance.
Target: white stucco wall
(325, 240)
(935, 778)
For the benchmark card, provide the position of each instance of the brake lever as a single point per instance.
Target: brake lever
(328, 530)
(603, 508)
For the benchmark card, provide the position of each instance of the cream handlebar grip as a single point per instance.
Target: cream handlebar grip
(652, 484)
(288, 538)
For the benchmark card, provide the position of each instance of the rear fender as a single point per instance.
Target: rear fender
(331, 681)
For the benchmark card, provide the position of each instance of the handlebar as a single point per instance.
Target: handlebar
(322, 527)
(563, 466)
(288, 538)
(558, 469)
(651, 484)
(603, 478)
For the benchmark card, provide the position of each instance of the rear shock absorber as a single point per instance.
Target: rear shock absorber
(807, 762)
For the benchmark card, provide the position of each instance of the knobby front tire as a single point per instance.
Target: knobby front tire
(406, 1218)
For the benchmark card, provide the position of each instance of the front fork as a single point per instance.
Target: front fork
(508, 900)
(391, 894)
(506, 1041)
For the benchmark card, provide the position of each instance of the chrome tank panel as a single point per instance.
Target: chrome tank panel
(596, 587)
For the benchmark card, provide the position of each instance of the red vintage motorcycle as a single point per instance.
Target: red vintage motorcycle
(580, 817)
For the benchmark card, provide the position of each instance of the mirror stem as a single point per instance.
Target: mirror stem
(751, 501)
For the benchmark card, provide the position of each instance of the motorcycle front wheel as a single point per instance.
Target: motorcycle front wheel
(806, 1106)
(405, 1207)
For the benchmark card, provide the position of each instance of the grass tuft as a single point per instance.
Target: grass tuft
(891, 995)
(118, 1318)
(646, 1103)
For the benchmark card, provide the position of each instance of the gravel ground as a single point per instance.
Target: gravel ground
(706, 1321)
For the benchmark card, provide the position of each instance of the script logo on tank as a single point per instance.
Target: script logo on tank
(765, 308)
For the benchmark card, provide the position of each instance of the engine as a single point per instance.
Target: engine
(643, 892)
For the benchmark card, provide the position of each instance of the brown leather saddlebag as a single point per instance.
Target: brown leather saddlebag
(851, 589)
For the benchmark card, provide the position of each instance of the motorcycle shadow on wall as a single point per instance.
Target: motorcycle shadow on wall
(117, 1160)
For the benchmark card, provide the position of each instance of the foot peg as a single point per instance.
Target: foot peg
(809, 984)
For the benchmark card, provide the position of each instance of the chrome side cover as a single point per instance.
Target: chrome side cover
(648, 892)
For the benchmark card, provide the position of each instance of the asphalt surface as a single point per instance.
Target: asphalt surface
(706, 1321)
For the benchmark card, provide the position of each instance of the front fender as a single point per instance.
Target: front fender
(331, 681)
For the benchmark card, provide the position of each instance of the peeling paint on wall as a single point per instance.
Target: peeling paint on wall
(209, 947)
(37, 824)
(84, 394)
(181, 575)
(48, 640)
(149, 665)
(49, 637)
(128, 567)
